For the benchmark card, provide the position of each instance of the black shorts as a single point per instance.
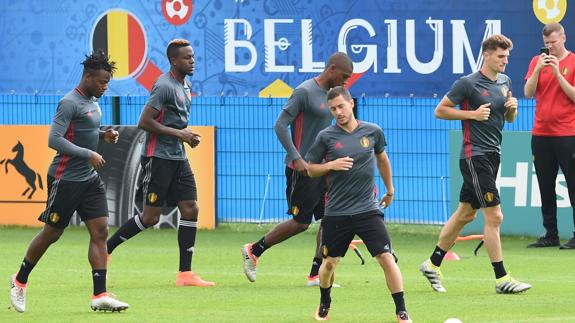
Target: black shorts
(66, 197)
(479, 175)
(166, 182)
(305, 196)
(339, 231)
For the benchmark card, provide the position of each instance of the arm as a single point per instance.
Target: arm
(60, 124)
(567, 88)
(110, 135)
(531, 83)
(510, 108)
(281, 128)
(446, 110)
(384, 167)
(149, 123)
(340, 164)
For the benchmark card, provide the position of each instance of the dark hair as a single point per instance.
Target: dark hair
(337, 91)
(98, 60)
(174, 45)
(551, 28)
(496, 41)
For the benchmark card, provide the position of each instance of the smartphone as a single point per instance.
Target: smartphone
(544, 50)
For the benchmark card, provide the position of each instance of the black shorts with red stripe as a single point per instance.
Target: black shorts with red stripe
(88, 198)
(479, 174)
(165, 182)
(305, 196)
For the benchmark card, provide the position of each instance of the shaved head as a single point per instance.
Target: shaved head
(340, 60)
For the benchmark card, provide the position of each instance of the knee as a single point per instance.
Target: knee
(100, 234)
(149, 220)
(301, 227)
(466, 217)
(329, 264)
(190, 211)
(494, 219)
(385, 260)
(52, 235)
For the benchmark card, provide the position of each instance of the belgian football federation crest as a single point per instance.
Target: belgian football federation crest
(364, 142)
(489, 197)
(152, 197)
(54, 217)
(295, 210)
(324, 251)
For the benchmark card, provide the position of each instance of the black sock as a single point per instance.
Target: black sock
(437, 256)
(499, 269)
(325, 295)
(186, 241)
(399, 302)
(99, 279)
(132, 227)
(259, 247)
(315, 267)
(25, 269)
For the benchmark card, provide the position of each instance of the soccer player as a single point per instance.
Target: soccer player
(351, 149)
(168, 178)
(486, 103)
(74, 184)
(551, 79)
(306, 113)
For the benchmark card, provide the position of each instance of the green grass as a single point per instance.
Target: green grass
(143, 274)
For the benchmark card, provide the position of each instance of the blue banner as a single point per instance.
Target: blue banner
(267, 47)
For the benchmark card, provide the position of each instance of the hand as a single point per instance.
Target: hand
(111, 136)
(386, 200)
(511, 103)
(482, 113)
(552, 61)
(343, 163)
(541, 62)
(300, 166)
(189, 137)
(96, 160)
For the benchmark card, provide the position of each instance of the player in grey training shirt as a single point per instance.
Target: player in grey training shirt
(73, 183)
(351, 149)
(168, 179)
(486, 102)
(304, 115)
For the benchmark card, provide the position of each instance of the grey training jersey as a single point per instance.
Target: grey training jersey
(307, 113)
(173, 100)
(471, 91)
(74, 134)
(349, 192)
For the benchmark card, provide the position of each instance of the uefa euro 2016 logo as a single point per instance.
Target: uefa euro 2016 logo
(549, 11)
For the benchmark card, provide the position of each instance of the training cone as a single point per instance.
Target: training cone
(451, 256)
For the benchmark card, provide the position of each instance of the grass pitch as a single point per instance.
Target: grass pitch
(143, 273)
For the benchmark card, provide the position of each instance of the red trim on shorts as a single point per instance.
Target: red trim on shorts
(65, 158)
(153, 138)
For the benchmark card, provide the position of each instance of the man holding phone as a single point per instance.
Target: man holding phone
(551, 79)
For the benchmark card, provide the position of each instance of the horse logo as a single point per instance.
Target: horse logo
(21, 167)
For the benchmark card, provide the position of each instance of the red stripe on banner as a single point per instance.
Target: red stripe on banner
(65, 158)
(136, 44)
(352, 79)
(149, 76)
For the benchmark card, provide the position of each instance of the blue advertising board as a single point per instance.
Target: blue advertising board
(263, 47)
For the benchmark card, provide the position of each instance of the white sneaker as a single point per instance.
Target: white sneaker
(433, 275)
(509, 285)
(107, 302)
(314, 281)
(17, 295)
(250, 262)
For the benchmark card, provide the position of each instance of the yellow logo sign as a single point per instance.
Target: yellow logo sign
(565, 71)
(324, 251)
(295, 210)
(152, 197)
(489, 197)
(364, 141)
(54, 217)
(549, 10)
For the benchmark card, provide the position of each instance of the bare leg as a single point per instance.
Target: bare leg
(463, 215)
(493, 218)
